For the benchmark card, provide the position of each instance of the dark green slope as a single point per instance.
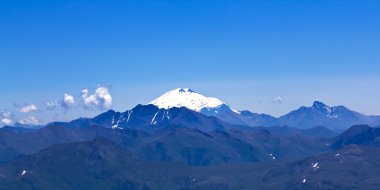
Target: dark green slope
(97, 164)
(352, 167)
(13, 144)
(358, 134)
(180, 144)
(102, 164)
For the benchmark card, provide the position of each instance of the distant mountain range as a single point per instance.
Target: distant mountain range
(201, 140)
(183, 140)
(337, 118)
(185, 107)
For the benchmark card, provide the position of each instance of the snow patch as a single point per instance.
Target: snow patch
(315, 166)
(153, 122)
(116, 125)
(129, 115)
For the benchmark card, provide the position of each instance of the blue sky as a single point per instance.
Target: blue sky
(247, 53)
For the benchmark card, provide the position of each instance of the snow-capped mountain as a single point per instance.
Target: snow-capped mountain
(184, 107)
(185, 97)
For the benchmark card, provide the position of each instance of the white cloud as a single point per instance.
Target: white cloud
(31, 120)
(28, 108)
(6, 121)
(102, 98)
(68, 101)
(51, 105)
(278, 100)
(6, 114)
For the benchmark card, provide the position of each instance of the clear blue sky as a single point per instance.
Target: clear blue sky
(246, 53)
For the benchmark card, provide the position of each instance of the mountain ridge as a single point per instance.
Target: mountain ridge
(337, 118)
(159, 112)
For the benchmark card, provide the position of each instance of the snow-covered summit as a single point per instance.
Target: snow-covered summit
(185, 97)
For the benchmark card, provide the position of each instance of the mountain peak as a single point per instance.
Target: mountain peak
(319, 105)
(185, 97)
(184, 90)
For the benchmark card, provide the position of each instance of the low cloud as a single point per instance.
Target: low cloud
(278, 100)
(6, 114)
(68, 101)
(31, 120)
(6, 121)
(51, 105)
(28, 108)
(101, 99)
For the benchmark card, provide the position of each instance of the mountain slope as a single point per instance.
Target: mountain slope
(13, 144)
(189, 145)
(255, 119)
(102, 164)
(317, 132)
(97, 164)
(195, 147)
(353, 167)
(148, 117)
(359, 135)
